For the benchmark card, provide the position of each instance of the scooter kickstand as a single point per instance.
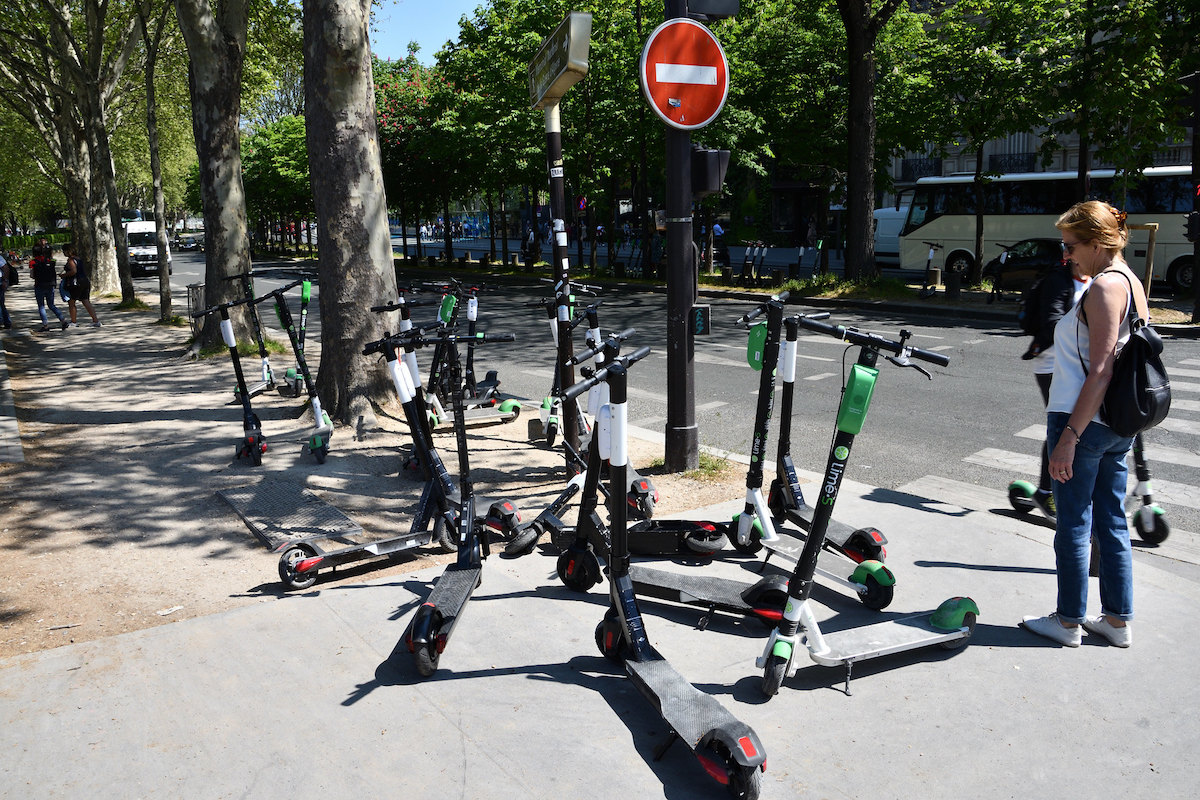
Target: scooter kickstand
(849, 666)
(702, 624)
(662, 748)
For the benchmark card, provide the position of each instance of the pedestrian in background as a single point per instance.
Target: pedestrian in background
(1058, 290)
(1087, 458)
(44, 279)
(77, 275)
(5, 269)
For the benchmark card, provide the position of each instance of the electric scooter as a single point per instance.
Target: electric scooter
(318, 440)
(949, 626)
(267, 380)
(929, 289)
(758, 524)
(253, 443)
(1149, 519)
(434, 621)
(303, 559)
(292, 379)
(728, 749)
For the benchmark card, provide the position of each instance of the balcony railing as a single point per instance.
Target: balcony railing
(1012, 162)
(913, 168)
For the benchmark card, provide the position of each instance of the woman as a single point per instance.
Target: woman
(1087, 459)
(44, 280)
(78, 278)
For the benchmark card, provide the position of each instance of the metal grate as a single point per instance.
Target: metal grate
(280, 512)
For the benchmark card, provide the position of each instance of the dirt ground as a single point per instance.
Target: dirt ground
(112, 523)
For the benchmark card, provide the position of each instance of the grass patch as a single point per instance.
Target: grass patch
(175, 321)
(828, 285)
(245, 349)
(136, 304)
(711, 468)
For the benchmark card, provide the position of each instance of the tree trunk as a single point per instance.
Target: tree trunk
(504, 223)
(216, 42)
(975, 274)
(860, 174)
(447, 230)
(492, 226)
(353, 242)
(160, 201)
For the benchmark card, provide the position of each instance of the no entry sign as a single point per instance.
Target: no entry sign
(685, 75)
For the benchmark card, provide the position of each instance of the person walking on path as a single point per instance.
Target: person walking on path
(1058, 292)
(44, 278)
(5, 268)
(79, 284)
(1087, 458)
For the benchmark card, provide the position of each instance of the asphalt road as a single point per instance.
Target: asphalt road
(977, 422)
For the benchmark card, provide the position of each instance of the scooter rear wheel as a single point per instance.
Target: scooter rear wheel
(426, 658)
(287, 567)
(877, 596)
(955, 644)
(609, 639)
(579, 570)
(744, 783)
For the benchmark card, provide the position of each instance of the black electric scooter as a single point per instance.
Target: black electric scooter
(728, 749)
(253, 443)
(434, 621)
(293, 380)
(949, 626)
(303, 559)
(761, 521)
(267, 378)
(318, 439)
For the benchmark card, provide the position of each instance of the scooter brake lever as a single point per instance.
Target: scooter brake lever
(902, 361)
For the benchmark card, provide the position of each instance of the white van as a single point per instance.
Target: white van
(888, 222)
(143, 248)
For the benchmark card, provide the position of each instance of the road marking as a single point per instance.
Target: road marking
(1186, 373)
(939, 348)
(1037, 432)
(539, 373)
(706, 358)
(645, 395)
(1179, 425)
(1172, 493)
(1184, 405)
(974, 341)
(815, 358)
(1171, 455)
(710, 406)
(820, 376)
(1020, 463)
(1185, 387)
(1191, 362)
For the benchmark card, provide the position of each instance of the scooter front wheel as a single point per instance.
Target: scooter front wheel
(609, 638)
(1020, 496)
(426, 658)
(773, 675)
(1157, 531)
(579, 570)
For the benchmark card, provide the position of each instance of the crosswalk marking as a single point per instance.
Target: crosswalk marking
(1175, 372)
(1184, 405)
(941, 347)
(1037, 432)
(1179, 425)
(1180, 386)
(1191, 362)
(1019, 463)
(819, 376)
(711, 406)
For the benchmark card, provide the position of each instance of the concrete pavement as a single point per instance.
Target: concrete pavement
(300, 694)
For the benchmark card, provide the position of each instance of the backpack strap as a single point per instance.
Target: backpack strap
(1132, 316)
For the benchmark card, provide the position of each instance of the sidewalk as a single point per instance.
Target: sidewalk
(126, 445)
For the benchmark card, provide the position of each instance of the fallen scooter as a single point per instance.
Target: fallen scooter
(949, 626)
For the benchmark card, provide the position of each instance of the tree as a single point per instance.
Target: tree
(990, 70)
(275, 172)
(216, 42)
(152, 39)
(354, 243)
(863, 21)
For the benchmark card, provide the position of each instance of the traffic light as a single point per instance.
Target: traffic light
(1192, 226)
(708, 171)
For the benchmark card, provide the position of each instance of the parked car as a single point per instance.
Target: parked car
(1027, 260)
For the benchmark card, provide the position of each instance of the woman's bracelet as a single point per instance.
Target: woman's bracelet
(1077, 436)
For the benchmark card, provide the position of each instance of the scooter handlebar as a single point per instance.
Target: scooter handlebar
(749, 317)
(579, 358)
(873, 340)
(601, 375)
(280, 290)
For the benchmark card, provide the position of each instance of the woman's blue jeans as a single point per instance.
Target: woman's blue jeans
(45, 297)
(1092, 504)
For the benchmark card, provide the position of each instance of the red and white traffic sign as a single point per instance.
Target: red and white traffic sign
(685, 74)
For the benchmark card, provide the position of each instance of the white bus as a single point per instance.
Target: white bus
(1025, 205)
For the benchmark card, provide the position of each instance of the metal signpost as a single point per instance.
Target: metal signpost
(561, 61)
(685, 77)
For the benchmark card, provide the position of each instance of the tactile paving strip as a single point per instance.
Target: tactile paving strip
(278, 513)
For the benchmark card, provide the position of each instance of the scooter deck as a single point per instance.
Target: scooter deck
(838, 533)
(383, 547)
(690, 712)
(790, 544)
(703, 590)
(882, 639)
(452, 591)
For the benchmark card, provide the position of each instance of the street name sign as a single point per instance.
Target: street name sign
(561, 61)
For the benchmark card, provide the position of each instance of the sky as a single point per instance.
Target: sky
(428, 22)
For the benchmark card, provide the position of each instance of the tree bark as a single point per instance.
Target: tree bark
(353, 242)
(160, 202)
(216, 42)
